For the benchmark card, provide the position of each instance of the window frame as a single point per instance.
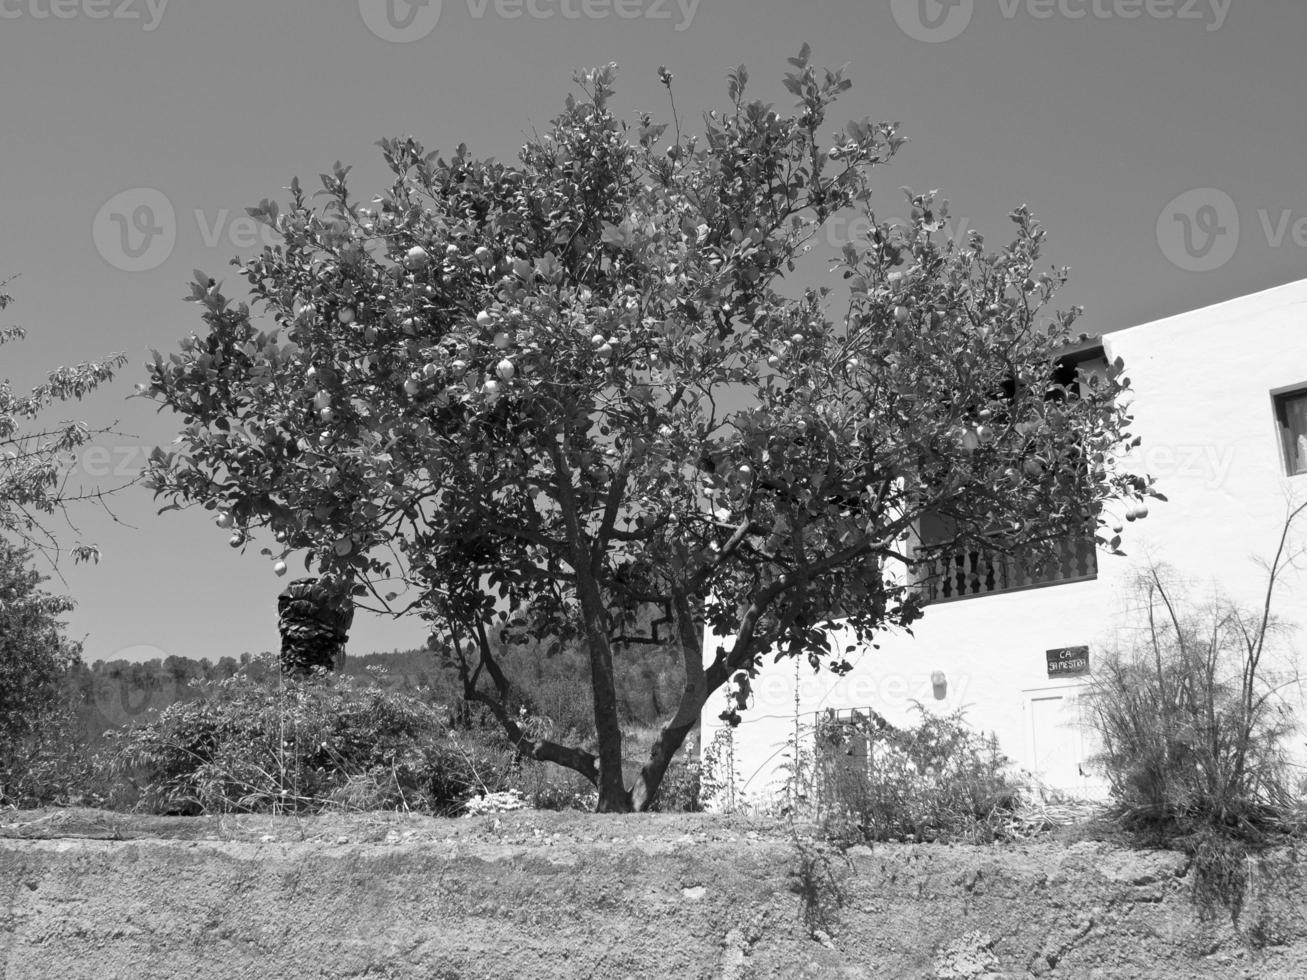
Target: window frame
(1280, 399)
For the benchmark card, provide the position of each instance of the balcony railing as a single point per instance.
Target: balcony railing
(971, 572)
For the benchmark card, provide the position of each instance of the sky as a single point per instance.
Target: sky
(1160, 142)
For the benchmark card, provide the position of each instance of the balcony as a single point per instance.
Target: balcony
(967, 573)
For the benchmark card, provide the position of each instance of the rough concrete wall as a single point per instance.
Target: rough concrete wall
(559, 895)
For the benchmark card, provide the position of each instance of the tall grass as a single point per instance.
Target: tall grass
(1193, 718)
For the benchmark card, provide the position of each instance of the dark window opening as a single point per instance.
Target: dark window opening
(1291, 414)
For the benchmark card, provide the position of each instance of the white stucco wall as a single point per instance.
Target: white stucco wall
(1203, 383)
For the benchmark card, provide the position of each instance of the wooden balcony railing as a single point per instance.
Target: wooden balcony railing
(971, 572)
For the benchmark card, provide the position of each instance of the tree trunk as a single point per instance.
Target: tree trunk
(613, 797)
(688, 710)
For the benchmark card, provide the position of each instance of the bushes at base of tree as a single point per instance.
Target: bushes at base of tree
(304, 746)
(940, 780)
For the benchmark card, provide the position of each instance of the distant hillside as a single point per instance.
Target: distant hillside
(120, 692)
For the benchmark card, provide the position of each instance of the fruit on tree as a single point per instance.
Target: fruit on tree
(416, 259)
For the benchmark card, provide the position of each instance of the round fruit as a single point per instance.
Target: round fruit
(774, 362)
(225, 519)
(281, 535)
(451, 250)
(430, 370)
(279, 568)
(605, 350)
(417, 258)
(502, 340)
(491, 388)
(459, 368)
(236, 540)
(901, 314)
(505, 369)
(484, 319)
(483, 255)
(411, 387)
(345, 315)
(326, 414)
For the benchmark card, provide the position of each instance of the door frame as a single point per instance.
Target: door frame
(1088, 785)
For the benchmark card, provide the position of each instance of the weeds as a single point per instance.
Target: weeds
(308, 745)
(819, 881)
(938, 781)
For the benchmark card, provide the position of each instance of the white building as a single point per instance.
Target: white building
(1221, 405)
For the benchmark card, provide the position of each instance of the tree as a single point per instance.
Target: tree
(35, 659)
(36, 464)
(568, 398)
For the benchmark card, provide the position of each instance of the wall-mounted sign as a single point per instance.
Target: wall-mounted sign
(1067, 661)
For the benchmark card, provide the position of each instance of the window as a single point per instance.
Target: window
(1291, 414)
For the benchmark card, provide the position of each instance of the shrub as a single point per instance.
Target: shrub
(1192, 724)
(307, 745)
(938, 781)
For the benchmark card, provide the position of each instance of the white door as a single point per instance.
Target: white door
(1059, 745)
